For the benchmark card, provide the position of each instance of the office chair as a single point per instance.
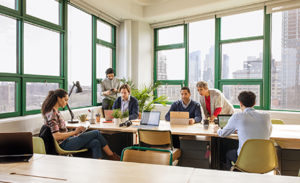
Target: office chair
(61, 151)
(147, 155)
(277, 121)
(257, 156)
(158, 139)
(38, 145)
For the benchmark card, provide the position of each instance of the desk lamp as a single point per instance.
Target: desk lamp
(78, 90)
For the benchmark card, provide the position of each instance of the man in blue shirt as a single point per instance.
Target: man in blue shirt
(249, 124)
(186, 104)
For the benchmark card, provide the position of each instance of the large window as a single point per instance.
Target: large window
(41, 51)
(7, 97)
(285, 63)
(47, 9)
(170, 56)
(105, 52)
(201, 54)
(8, 45)
(241, 55)
(79, 56)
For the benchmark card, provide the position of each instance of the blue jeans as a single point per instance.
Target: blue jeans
(91, 140)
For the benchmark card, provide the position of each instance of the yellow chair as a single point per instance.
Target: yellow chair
(61, 151)
(257, 156)
(277, 121)
(159, 139)
(38, 145)
(147, 155)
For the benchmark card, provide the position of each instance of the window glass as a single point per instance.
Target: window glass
(171, 91)
(36, 93)
(242, 25)
(171, 64)
(231, 92)
(104, 60)
(8, 45)
(99, 96)
(172, 35)
(8, 3)
(7, 97)
(104, 31)
(242, 60)
(201, 54)
(80, 56)
(46, 9)
(285, 62)
(41, 51)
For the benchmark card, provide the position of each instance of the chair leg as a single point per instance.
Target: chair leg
(277, 172)
(232, 168)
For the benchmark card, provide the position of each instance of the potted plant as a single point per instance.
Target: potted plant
(125, 116)
(146, 97)
(117, 116)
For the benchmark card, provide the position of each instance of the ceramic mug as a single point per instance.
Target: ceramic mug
(82, 117)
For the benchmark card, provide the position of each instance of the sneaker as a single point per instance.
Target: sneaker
(114, 157)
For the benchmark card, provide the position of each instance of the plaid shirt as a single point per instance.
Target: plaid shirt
(54, 120)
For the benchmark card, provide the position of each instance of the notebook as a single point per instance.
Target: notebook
(15, 146)
(179, 118)
(223, 119)
(108, 115)
(149, 120)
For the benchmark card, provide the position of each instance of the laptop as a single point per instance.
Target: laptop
(149, 120)
(108, 115)
(15, 147)
(223, 119)
(179, 118)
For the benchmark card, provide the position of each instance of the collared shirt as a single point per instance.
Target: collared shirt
(249, 124)
(125, 104)
(54, 120)
(185, 106)
(108, 84)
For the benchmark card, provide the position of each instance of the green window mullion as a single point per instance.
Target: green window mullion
(241, 39)
(104, 43)
(43, 23)
(114, 49)
(217, 52)
(186, 45)
(94, 60)
(9, 12)
(168, 47)
(64, 44)
(267, 61)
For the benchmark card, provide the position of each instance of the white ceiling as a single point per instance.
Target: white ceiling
(152, 11)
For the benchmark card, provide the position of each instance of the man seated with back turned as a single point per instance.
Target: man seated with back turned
(249, 124)
(186, 104)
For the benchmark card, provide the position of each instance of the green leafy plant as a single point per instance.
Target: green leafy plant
(146, 97)
(116, 113)
(125, 114)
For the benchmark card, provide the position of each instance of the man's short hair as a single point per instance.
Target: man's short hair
(109, 71)
(186, 88)
(202, 84)
(247, 98)
(125, 86)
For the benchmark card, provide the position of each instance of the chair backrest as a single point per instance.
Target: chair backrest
(147, 155)
(155, 138)
(257, 156)
(46, 135)
(277, 121)
(38, 145)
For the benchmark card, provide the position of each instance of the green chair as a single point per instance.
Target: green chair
(257, 156)
(61, 151)
(38, 145)
(277, 122)
(147, 155)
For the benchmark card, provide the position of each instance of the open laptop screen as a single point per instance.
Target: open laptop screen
(223, 120)
(150, 118)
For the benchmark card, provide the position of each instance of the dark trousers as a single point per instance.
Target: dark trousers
(105, 105)
(176, 141)
(231, 156)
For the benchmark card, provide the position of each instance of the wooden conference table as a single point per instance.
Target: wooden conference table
(59, 169)
(289, 133)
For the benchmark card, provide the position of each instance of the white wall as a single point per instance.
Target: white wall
(134, 50)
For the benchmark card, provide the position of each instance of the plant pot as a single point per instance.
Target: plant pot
(116, 121)
(140, 115)
(124, 119)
